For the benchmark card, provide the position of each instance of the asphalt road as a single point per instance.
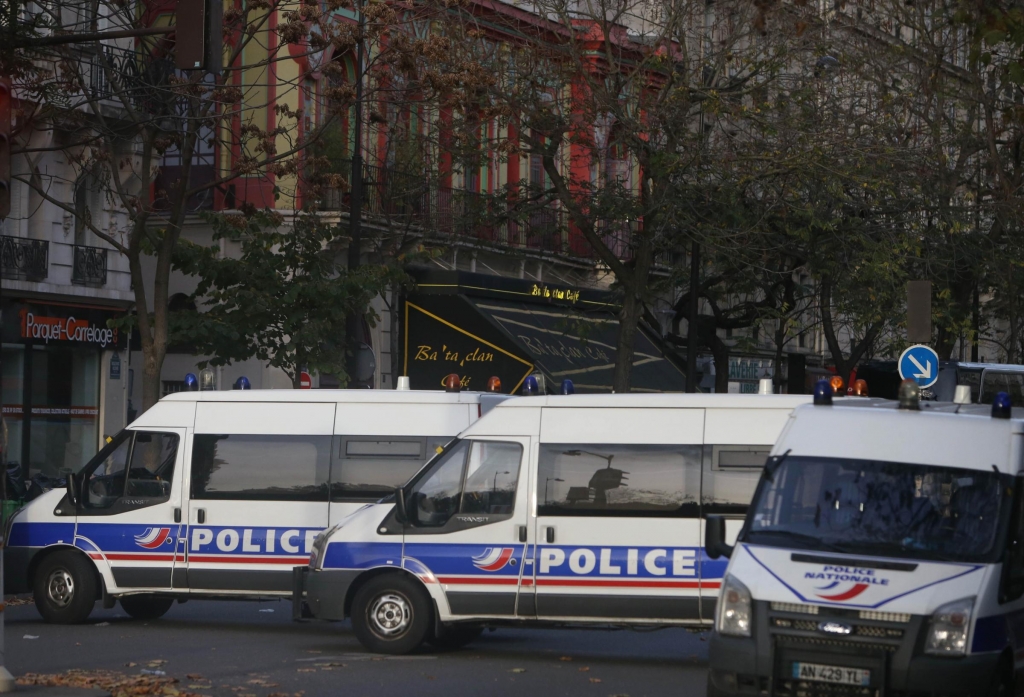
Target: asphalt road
(247, 649)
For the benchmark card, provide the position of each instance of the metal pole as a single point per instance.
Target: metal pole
(353, 324)
(691, 326)
(6, 679)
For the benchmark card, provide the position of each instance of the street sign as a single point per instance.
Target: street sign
(305, 382)
(921, 364)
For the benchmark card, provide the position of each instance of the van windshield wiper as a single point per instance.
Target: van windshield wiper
(809, 541)
(773, 464)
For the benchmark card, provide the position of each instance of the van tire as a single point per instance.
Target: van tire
(146, 607)
(391, 614)
(65, 588)
(456, 636)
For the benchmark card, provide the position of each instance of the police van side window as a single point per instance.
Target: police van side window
(731, 473)
(369, 468)
(260, 467)
(577, 479)
(105, 477)
(477, 478)
(137, 469)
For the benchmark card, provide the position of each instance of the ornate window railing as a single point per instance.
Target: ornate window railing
(89, 267)
(24, 259)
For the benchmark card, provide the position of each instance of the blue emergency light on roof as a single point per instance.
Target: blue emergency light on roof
(530, 387)
(568, 387)
(242, 383)
(191, 382)
(1002, 406)
(823, 393)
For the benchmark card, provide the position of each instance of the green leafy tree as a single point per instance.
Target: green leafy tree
(284, 299)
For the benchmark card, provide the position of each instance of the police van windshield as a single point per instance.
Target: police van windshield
(881, 508)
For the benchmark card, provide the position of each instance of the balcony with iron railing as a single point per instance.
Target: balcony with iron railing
(417, 203)
(89, 266)
(24, 259)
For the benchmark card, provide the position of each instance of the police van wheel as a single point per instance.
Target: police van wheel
(65, 588)
(391, 614)
(146, 607)
(456, 636)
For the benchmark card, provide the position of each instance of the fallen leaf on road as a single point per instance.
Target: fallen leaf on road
(116, 683)
(518, 670)
(78, 643)
(565, 658)
(199, 687)
(595, 680)
(313, 651)
(584, 669)
(194, 676)
(307, 670)
(262, 683)
(102, 624)
(30, 636)
(130, 664)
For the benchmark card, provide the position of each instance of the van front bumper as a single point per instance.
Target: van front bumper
(323, 592)
(761, 664)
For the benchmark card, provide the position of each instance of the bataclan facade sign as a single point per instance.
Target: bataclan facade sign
(480, 326)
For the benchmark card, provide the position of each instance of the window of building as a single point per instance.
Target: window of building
(371, 467)
(619, 480)
(260, 467)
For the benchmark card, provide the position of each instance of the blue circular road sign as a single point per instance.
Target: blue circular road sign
(921, 364)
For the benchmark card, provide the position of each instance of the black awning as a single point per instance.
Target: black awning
(581, 346)
(462, 327)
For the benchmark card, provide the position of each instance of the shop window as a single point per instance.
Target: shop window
(368, 468)
(619, 480)
(260, 467)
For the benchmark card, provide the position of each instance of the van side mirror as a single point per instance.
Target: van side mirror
(72, 486)
(714, 537)
(400, 512)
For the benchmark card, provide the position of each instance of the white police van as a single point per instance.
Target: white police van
(552, 510)
(883, 553)
(213, 494)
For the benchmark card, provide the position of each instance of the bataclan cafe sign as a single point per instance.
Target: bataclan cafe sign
(479, 326)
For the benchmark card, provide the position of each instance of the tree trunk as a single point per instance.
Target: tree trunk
(629, 317)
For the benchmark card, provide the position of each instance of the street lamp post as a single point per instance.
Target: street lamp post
(546, 483)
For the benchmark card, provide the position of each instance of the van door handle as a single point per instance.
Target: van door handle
(551, 534)
(201, 515)
(522, 533)
(177, 515)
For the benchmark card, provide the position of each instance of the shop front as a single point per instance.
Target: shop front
(63, 385)
(478, 326)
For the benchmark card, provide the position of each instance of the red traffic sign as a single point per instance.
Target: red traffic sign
(305, 382)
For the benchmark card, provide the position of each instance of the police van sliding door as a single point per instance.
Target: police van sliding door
(258, 493)
(618, 525)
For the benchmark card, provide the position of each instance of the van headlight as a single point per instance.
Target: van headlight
(948, 627)
(733, 617)
(316, 557)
